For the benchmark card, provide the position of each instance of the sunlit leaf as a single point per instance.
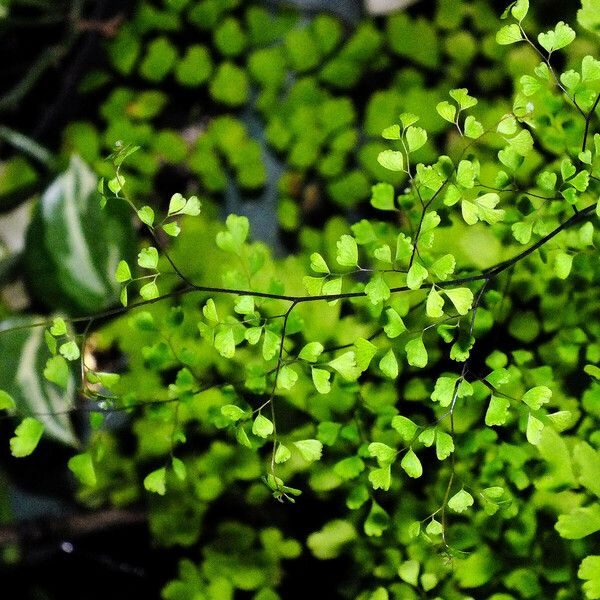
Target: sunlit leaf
(310, 450)
(412, 465)
(460, 501)
(27, 436)
(156, 481)
(262, 427)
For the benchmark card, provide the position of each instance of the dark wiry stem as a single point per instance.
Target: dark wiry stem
(588, 118)
(489, 273)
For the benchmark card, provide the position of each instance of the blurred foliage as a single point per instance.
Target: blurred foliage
(323, 90)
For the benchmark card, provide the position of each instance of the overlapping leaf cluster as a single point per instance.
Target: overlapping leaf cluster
(301, 82)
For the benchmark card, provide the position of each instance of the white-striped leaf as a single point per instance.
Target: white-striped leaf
(74, 246)
(24, 355)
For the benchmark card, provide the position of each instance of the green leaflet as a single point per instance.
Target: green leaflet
(27, 435)
(509, 34)
(364, 351)
(416, 276)
(349, 468)
(262, 427)
(522, 143)
(57, 371)
(444, 445)
(156, 481)
(462, 298)
(377, 289)
(347, 251)
(225, 342)
(328, 432)
(382, 452)
(282, 454)
(311, 352)
(588, 17)
(405, 427)
(415, 138)
(395, 325)
(122, 273)
(389, 365)
(234, 237)
(563, 264)
(536, 397)
(522, 232)
(244, 305)
(444, 390)
(561, 36)
(404, 247)
(69, 350)
(332, 287)
(497, 412)
(427, 437)
(345, 365)
(407, 119)
(318, 264)
(434, 527)
(588, 464)
(320, 379)
(146, 215)
(473, 128)
(534, 430)
(590, 571)
(466, 174)
(230, 85)
(579, 523)
(82, 466)
(381, 478)
(409, 572)
(520, 9)
(392, 132)
(382, 196)
(377, 521)
(416, 353)
(383, 253)
(508, 125)
(195, 67)
(391, 159)
(229, 37)
(462, 98)
(430, 221)
(412, 465)
(149, 291)
(482, 209)
(310, 450)
(329, 541)
(233, 412)
(446, 110)
(460, 501)
(443, 267)
(179, 468)
(209, 310)
(6, 401)
(59, 327)
(435, 304)
(357, 497)
(287, 378)
(270, 347)
(159, 60)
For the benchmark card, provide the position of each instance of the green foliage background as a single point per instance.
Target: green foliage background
(416, 380)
